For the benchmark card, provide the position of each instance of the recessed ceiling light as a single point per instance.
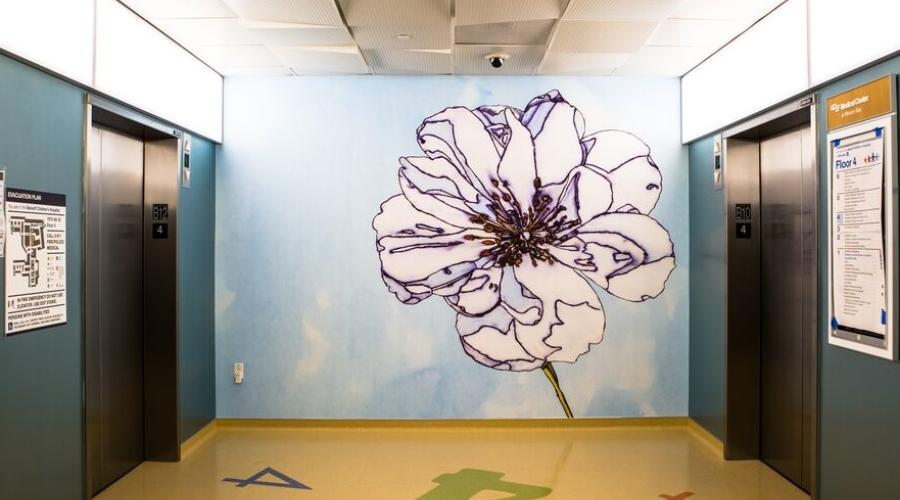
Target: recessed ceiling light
(404, 36)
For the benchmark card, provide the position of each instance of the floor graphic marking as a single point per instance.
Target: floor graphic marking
(467, 483)
(286, 481)
(680, 496)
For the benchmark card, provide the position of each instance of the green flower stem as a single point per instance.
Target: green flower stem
(550, 372)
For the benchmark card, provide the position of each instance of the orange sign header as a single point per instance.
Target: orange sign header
(873, 99)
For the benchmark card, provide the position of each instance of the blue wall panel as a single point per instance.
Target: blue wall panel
(41, 121)
(196, 276)
(859, 395)
(707, 296)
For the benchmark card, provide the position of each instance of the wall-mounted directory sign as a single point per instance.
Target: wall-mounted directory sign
(35, 260)
(863, 221)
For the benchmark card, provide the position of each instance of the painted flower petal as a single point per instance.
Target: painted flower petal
(479, 294)
(449, 209)
(438, 176)
(494, 119)
(610, 149)
(557, 287)
(557, 128)
(491, 341)
(399, 218)
(637, 186)
(517, 166)
(412, 259)
(459, 136)
(633, 254)
(584, 194)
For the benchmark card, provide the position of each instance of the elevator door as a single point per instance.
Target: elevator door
(784, 391)
(119, 334)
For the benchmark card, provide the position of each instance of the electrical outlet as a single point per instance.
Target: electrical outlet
(239, 373)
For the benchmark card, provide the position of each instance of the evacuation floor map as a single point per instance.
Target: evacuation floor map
(35, 260)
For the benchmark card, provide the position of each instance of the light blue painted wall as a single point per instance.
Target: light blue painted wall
(299, 298)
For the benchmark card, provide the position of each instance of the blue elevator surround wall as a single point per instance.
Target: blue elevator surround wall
(40, 393)
(41, 453)
(196, 268)
(859, 395)
(707, 293)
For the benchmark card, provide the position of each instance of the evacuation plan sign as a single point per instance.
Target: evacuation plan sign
(35, 260)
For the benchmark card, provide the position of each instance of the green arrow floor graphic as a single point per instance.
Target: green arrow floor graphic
(467, 483)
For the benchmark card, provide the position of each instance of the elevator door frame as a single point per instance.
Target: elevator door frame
(161, 184)
(743, 283)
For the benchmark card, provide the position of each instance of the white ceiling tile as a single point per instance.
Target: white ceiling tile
(287, 11)
(224, 56)
(504, 11)
(591, 63)
(469, 60)
(306, 36)
(602, 36)
(712, 33)
(256, 71)
(420, 37)
(515, 33)
(622, 10)
(191, 32)
(396, 12)
(662, 61)
(172, 9)
(388, 62)
(322, 60)
(719, 9)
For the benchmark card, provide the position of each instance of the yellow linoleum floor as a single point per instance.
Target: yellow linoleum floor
(477, 463)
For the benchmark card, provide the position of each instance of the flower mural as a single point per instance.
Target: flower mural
(510, 215)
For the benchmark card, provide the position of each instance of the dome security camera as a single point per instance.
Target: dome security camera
(496, 60)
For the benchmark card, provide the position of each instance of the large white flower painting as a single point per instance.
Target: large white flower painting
(510, 216)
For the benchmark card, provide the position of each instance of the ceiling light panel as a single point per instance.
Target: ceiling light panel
(257, 71)
(516, 33)
(306, 36)
(602, 36)
(175, 9)
(322, 12)
(323, 60)
(420, 37)
(710, 33)
(622, 10)
(396, 12)
(470, 60)
(662, 61)
(717, 9)
(583, 64)
(504, 11)
(225, 56)
(194, 32)
(388, 62)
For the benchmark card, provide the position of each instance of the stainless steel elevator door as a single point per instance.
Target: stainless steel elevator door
(120, 332)
(783, 427)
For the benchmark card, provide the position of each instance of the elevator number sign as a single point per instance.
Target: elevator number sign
(743, 218)
(160, 227)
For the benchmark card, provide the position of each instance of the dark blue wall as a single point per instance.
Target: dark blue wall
(41, 450)
(859, 395)
(707, 293)
(196, 277)
(41, 121)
